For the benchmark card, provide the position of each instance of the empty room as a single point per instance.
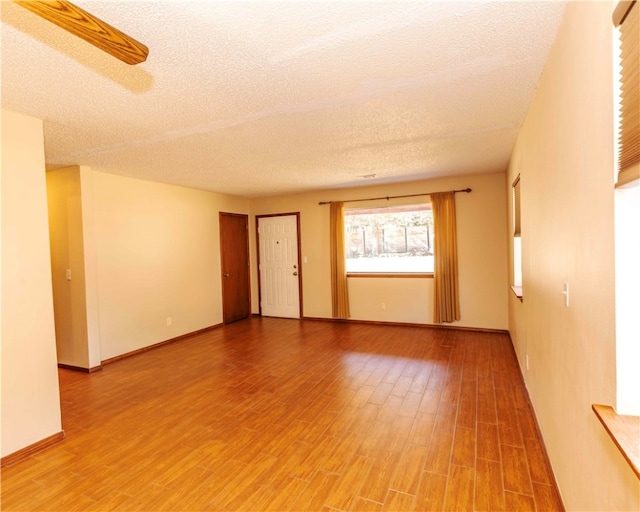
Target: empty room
(320, 255)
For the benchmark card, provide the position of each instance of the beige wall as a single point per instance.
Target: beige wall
(157, 255)
(152, 252)
(90, 266)
(481, 218)
(564, 155)
(30, 396)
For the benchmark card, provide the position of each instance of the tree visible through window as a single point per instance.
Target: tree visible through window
(394, 239)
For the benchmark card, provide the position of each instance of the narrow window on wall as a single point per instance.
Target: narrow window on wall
(619, 420)
(517, 240)
(627, 207)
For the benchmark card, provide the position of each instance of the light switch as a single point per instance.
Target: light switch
(68, 274)
(565, 292)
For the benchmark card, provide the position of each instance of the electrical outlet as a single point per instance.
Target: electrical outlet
(169, 321)
(526, 361)
(383, 305)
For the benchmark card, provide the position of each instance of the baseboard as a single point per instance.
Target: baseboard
(407, 324)
(80, 368)
(545, 453)
(160, 344)
(32, 449)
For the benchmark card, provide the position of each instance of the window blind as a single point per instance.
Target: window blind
(627, 17)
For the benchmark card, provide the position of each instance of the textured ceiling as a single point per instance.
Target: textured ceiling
(265, 98)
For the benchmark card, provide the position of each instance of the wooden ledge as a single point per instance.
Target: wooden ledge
(625, 432)
(419, 275)
(517, 290)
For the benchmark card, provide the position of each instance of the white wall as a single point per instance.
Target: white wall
(482, 246)
(157, 256)
(30, 396)
(564, 155)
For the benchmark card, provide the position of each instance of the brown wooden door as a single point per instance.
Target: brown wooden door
(234, 248)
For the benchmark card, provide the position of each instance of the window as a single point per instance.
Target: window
(517, 240)
(623, 421)
(627, 209)
(389, 240)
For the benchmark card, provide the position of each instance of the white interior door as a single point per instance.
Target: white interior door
(279, 266)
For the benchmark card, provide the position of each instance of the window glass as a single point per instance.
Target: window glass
(627, 208)
(517, 240)
(393, 239)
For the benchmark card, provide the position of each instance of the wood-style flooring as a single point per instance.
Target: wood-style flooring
(275, 414)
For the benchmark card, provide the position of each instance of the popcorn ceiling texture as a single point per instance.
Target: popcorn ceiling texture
(266, 98)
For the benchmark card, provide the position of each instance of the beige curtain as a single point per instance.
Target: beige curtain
(339, 291)
(446, 303)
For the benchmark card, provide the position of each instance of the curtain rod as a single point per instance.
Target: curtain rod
(467, 190)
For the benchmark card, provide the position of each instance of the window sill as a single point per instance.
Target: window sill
(517, 290)
(625, 432)
(390, 274)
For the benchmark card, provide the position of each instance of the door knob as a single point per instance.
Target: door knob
(226, 274)
(295, 273)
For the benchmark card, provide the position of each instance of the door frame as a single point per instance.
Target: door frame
(297, 216)
(222, 279)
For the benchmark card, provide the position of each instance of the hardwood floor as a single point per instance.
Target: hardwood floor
(274, 414)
